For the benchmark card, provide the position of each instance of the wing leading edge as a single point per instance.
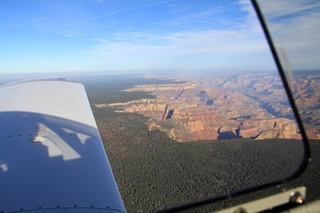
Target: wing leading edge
(51, 154)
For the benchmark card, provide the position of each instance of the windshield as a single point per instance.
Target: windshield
(295, 32)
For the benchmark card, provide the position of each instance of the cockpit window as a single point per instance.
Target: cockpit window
(295, 32)
(186, 94)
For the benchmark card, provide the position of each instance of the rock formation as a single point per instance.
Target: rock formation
(217, 107)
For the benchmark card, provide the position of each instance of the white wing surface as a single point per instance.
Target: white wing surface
(51, 155)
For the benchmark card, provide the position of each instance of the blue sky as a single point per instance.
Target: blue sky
(295, 28)
(131, 36)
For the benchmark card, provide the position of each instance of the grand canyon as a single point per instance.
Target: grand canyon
(226, 106)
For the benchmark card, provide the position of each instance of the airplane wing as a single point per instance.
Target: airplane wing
(51, 155)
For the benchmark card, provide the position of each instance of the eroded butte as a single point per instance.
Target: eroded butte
(217, 107)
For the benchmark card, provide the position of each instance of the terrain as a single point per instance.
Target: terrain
(155, 172)
(305, 88)
(224, 106)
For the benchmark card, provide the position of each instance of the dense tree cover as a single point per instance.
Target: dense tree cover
(154, 172)
(107, 89)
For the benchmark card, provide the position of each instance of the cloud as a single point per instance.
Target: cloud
(42, 18)
(251, 19)
(241, 47)
(211, 49)
(275, 9)
(48, 23)
(39, 32)
(198, 41)
(71, 34)
(47, 30)
(129, 9)
(294, 26)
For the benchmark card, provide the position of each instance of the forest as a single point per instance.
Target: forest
(155, 172)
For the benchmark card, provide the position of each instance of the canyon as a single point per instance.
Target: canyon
(223, 106)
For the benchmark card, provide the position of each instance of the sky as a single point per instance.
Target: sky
(131, 36)
(295, 28)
